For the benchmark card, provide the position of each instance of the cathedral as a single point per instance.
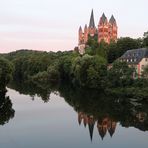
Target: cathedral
(106, 31)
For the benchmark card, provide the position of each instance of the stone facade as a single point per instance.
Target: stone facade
(137, 58)
(106, 31)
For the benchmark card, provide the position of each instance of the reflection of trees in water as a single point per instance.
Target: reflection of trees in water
(106, 111)
(32, 89)
(6, 110)
(94, 107)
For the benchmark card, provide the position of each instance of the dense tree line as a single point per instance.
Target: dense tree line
(6, 69)
(88, 70)
(115, 50)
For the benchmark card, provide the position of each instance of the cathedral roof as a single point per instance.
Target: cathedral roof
(112, 20)
(85, 26)
(92, 22)
(91, 128)
(103, 18)
(80, 29)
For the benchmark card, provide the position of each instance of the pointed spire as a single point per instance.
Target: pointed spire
(91, 129)
(112, 128)
(103, 18)
(80, 29)
(79, 117)
(102, 133)
(92, 22)
(112, 20)
(85, 26)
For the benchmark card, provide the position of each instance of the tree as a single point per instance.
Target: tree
(89, 71)
(145, 39)
(102, 49)
(6, 110)
(6, 69)
(117, 49)
(120, 74)
(53, 73)
(127, 43)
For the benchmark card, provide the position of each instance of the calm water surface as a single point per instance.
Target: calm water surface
(56, 124)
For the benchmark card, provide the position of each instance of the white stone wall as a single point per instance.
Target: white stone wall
(143, 63)
(82, 49)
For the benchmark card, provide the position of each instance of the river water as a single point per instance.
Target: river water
(32, 122)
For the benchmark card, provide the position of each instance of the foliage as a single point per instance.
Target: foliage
(6, 69)
(6, 110)
(116, 50)
(145, 39)
(93, 42)
(113, 50)
(53, 73)
(88, 71)
(120, 75)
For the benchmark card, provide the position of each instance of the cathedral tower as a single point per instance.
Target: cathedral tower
(85, 34)
(92, 28)
(80, 35)
(113, 29)
(107, 31)
(103, 29)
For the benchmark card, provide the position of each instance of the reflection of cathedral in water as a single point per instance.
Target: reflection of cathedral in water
(108, 125)
(105, 125)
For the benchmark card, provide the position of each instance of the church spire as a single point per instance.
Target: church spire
(80, 29)
(91, 129)
(92, 22)
(112, 20)
(103, 18)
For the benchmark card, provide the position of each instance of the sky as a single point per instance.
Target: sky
(52, 25)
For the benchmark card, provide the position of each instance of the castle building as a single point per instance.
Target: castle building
(106, 31)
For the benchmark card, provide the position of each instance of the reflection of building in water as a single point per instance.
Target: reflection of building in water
(104, 125)
(87, 120)
(141, 116)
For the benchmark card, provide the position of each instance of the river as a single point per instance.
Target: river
(35, 123)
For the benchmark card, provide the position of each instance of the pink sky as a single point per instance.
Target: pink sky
(53, 25)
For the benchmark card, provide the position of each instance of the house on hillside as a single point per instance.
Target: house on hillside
(137, 58)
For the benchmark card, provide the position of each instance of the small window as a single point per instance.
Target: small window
(127, 60)
(146, 59)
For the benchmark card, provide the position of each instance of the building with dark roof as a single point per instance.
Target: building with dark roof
(137, 58)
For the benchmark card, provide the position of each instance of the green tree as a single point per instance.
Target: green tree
(145, 39)
(120, 74)
(113, 52)
(127, 43)
(6, 69)
(89, 71)
(102, 49)
(53, 73)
